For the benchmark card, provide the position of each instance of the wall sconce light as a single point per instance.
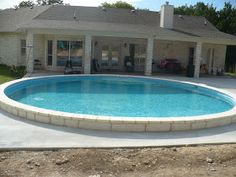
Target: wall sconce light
(125, 45)
(96, 43)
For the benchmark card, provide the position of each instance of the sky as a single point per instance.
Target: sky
(149, 4)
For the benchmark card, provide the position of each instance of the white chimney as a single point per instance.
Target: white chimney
(167, 15)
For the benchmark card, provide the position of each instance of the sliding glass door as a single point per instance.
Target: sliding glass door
(110, 56)
(69, 50)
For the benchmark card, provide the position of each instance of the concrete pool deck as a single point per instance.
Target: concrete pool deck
(17, 133)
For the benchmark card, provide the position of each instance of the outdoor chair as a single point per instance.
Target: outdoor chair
(69, 68)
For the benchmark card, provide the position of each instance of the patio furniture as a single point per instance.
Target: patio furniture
(171, 65)
(37, 64)
(129, 64)
(96, 67)
(190, 70)
(69, 68)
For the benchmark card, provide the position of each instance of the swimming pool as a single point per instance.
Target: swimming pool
(119, 103)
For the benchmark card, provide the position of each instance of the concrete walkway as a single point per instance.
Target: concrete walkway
(20, 133)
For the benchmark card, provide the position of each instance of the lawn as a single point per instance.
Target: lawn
(8, 73)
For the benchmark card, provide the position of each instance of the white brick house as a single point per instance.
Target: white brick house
(54, 34)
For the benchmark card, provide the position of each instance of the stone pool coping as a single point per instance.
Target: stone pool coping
(109, 123)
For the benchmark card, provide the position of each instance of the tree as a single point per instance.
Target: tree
(200, 9)
(118, 4)
(30, 3)
(227, 19)
(49, 2)
(25, 4)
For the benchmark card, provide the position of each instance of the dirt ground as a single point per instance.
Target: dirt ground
(215, 160)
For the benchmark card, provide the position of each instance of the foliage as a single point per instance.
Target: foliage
(227, 19)
(30, 3)
(224, 19)
(49, 2)
(26, 4)
(118, 4)
(8, 73)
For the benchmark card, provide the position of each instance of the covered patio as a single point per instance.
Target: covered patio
(53, 49)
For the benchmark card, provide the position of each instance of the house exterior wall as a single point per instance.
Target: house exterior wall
(9, 49)
(213, 55)
(180, 50)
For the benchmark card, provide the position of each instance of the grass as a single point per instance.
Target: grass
(8, 73)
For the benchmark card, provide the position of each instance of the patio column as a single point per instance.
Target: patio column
(149, 58)
(198, 59)
(87, 54)
(29, 52)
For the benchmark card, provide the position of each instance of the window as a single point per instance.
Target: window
(115, 56)
(49, 59)
(69, 50)
(105, 55)
(62, 52)
(23, 47)
(138, 53)
(76, 53)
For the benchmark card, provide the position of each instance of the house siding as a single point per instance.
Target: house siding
(219, 55)
(9, 49)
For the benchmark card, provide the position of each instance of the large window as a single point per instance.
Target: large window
(76, 53)
(69, 50)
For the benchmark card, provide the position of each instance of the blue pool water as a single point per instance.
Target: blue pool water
(119, 96)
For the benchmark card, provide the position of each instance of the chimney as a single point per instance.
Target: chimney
(167, 15)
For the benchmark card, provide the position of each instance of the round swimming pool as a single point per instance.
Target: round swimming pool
(118, 103)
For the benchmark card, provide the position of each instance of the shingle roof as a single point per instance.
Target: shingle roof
(108, 20)
(11, 19)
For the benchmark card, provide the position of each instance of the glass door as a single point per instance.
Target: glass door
(105, 55)
(115, 56)
(110, 56)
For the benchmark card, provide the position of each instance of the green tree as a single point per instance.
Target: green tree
(200, 9)
(25, 4)
(118, 4)
(30, 3)
(184, 10)
(227, 19)
(49, 2)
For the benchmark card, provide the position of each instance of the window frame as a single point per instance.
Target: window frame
(23, 47)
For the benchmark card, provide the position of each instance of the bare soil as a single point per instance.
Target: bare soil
(217, 161)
